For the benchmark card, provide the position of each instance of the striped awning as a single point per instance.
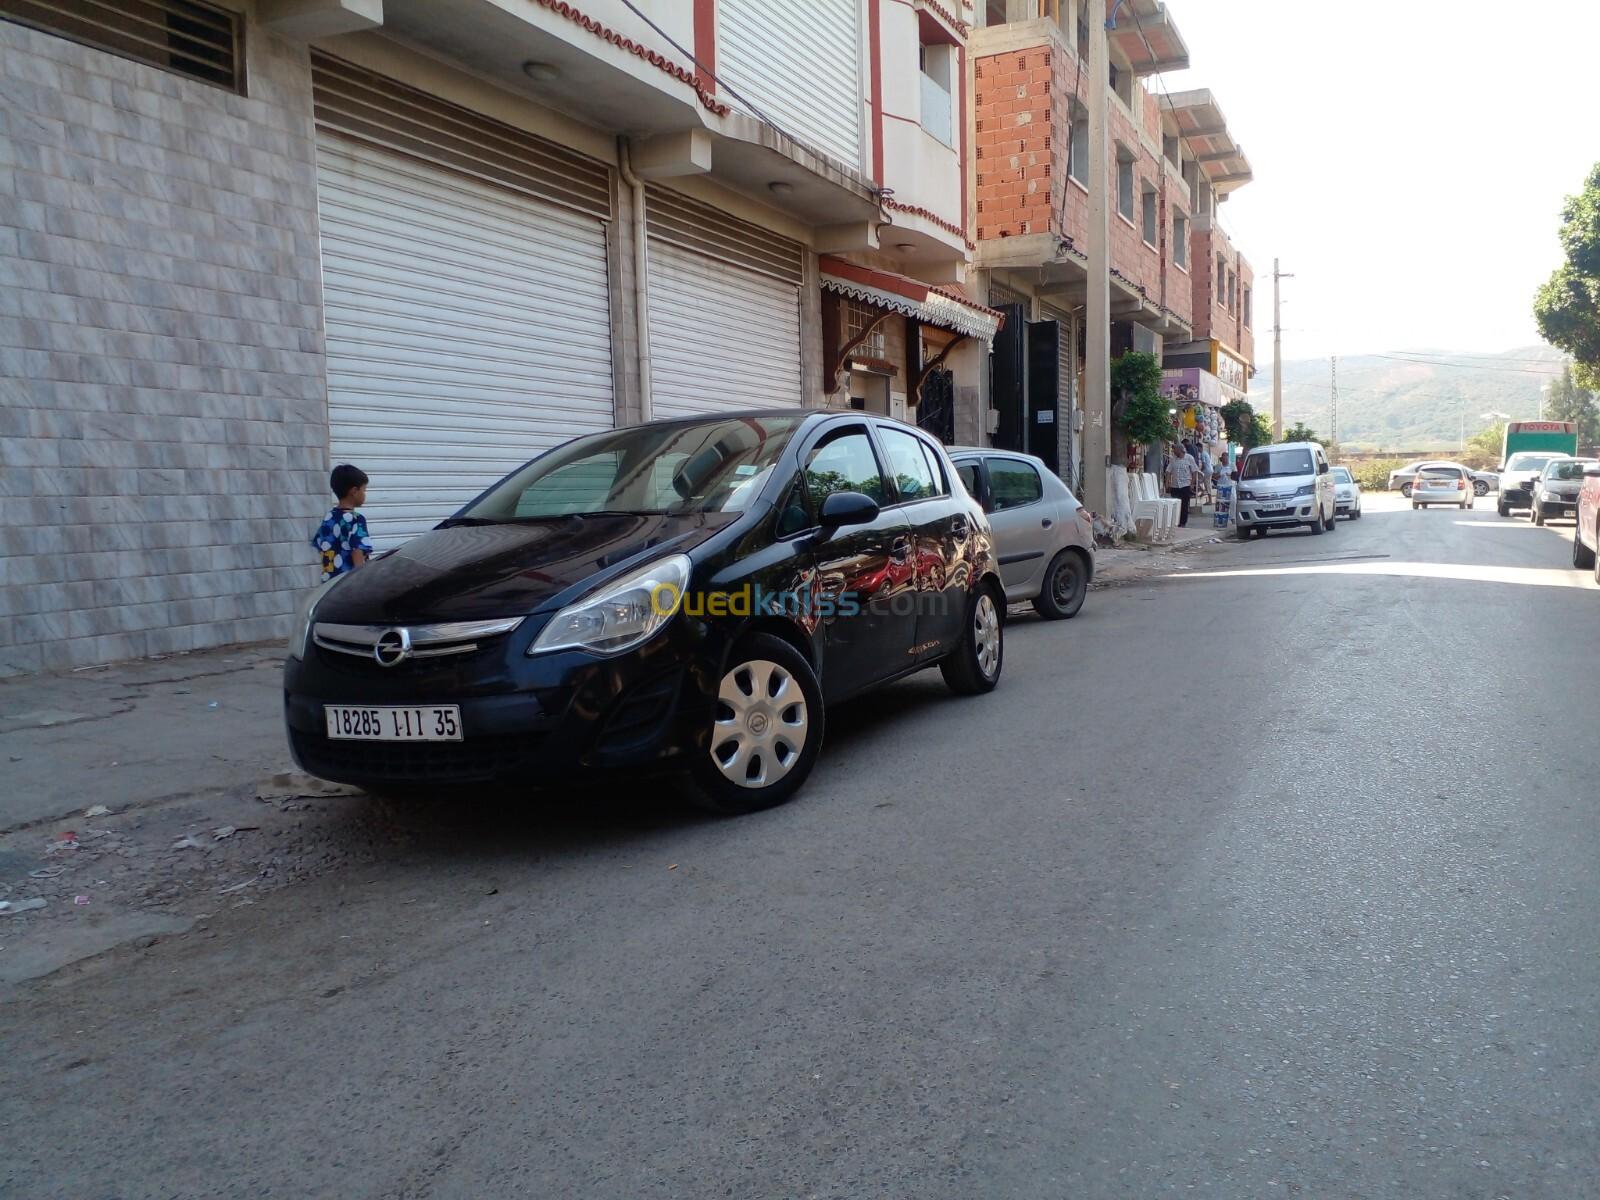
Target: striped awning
(926, 302)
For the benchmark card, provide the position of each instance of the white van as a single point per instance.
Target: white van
(1286, 485)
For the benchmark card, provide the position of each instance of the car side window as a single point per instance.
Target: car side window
(1013, 484)
(968, 474)
(913, 477)
(941, 483)
(845, 462)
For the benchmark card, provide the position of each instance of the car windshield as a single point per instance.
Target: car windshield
(1530, 462)
(1572, 469)
(1267, 464)
(678, 467)
(1342, 474)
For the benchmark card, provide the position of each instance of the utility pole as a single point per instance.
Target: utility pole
(1097, 313)
(1277, 353)
(1333, 416)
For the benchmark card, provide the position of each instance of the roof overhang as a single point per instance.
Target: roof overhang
(1196, 117)
(928, 303)
(1145, 35)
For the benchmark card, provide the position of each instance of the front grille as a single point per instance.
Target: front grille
(475, 760)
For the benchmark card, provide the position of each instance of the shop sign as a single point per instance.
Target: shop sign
(1230, 370)
(1191, 385)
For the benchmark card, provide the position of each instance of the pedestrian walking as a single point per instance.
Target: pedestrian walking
(342, 538)
(1180, 482)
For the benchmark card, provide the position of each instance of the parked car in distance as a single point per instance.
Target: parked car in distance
(1586, 528)
(1285, 486)
(1442, 483)
(1555, 492)
(1346, 494)
(1484, 482)
(1517, 476)
(1403, 478)
(680, 596)
(1043, 540)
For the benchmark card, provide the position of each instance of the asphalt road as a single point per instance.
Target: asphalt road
(1277, 873)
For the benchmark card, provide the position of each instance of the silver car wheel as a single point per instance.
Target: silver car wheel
(761, 724)
(986, 635)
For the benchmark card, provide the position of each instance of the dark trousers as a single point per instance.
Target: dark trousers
(1185, 494)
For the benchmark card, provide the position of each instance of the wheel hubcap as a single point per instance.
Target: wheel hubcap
(986, 636)
(761, 724)
(1066, 584)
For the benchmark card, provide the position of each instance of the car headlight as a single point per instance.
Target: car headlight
(621, 615)
(300, 631)
(1246, 494)
(1307, 490)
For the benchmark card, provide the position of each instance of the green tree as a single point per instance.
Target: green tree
(1484, 447)
(1139, 410)
(1244, 424)
(1301, 432)
(1259, 433)
(1567, 307)
(1569, 402)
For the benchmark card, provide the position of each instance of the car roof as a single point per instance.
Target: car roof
(1286, 446)
(1441, 462)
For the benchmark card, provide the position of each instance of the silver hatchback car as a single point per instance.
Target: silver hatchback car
(1043, 539)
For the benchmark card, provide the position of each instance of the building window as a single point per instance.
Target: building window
(1248, 315)
(857, 317)
(1150, 215)
(181, 36)
(1125, 186)
(994, 12)
(1180, 241)
(1080, 150)
(1233, 292)
(1222, 279)
(938, 77)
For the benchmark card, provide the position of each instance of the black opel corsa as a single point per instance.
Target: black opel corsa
(682, 596)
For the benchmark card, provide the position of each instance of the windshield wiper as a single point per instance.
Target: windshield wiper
(453, 522)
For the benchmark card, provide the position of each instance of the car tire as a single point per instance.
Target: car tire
(1355, 513)
(1244, 533)
(765, 676)
(1415, 506)
(1332, 523)
(1480, 488)
(1503, 508)
(1536, 513)
(1582, 557)
(1596, 558)
(1405, 490)
(1066, 584)
(974, 666)
(1316, 523)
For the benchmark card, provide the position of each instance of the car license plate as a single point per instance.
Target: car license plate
(385, 723)
(1272, 510)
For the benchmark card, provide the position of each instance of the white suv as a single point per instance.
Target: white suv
(1284, 486)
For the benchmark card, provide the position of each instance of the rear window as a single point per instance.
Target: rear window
(1264, 464)
(1444, 472)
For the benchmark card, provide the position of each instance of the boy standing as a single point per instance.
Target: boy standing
(342, 537)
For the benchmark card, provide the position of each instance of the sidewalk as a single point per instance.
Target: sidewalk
(131, 733)
(1130, 558)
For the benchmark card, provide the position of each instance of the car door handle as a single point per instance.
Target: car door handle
(959, 528)
(901, 550)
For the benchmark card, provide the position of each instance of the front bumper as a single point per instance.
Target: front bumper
(1516, 497)
(524, 720)
(1295, 510)
(1560, 505)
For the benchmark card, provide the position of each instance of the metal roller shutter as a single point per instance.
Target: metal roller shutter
(468, 328)
(724, 310)
(797, 65)
(721, 337)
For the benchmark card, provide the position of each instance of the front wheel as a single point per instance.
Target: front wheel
(1480, 488)
(1537, 513)
(1582, 557)
(1316, 525)
(1405, 490)
(973, 667)
(1355, 514)
(1066, 584)
(1503, 509)
(766, 730)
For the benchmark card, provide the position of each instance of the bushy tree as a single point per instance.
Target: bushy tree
(1570, 402)
(1138, 408)
(1245, 425)
(1301, 432)
(1259, 433)
(1567, 307)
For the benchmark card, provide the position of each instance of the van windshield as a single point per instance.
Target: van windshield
(1531, 462)
(1268, 464)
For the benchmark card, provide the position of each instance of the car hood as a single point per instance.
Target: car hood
(480, 572)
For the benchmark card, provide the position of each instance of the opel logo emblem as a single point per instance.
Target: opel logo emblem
(758, 723)
(393, 647)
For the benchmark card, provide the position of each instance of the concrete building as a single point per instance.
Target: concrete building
(247, 239)
(1172, 162)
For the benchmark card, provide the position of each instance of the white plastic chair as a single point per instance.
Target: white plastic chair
(1173, 505)
(1147, 506)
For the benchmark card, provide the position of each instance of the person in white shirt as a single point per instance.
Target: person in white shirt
(1180, 482)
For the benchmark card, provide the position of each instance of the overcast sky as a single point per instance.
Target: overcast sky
(1410, 160)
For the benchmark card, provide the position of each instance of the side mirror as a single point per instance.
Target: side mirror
(1592, 473)
(847, 508)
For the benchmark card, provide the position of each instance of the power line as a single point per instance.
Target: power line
(1454, 366)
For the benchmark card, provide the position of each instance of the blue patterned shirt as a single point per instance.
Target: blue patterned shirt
(340, 533)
